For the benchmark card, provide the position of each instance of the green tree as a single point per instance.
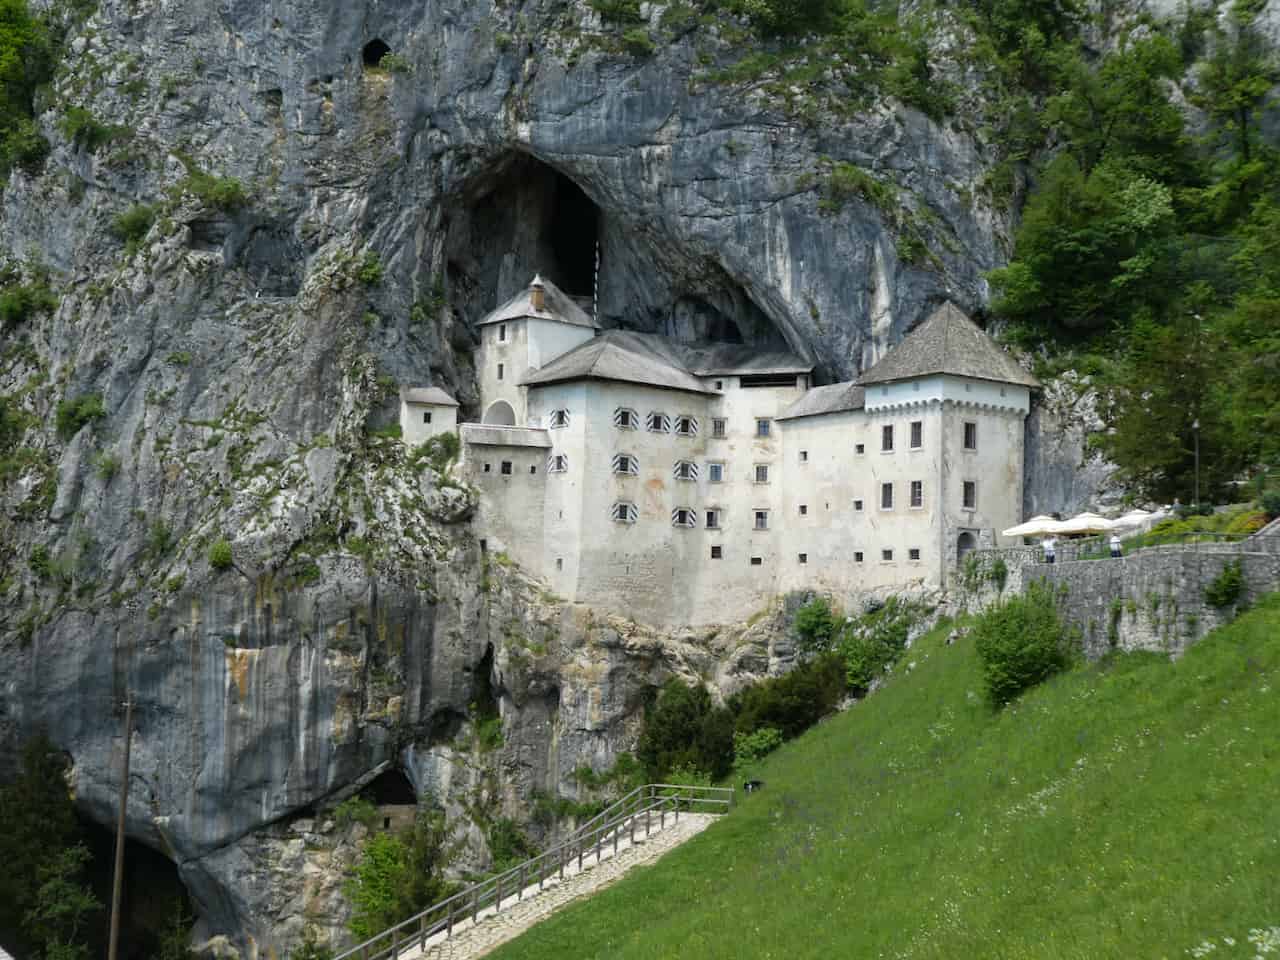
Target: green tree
(398, 876)
(1020, 642)
(1235, 79)
(26, 62)
(63, 905)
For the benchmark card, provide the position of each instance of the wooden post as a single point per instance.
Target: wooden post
(118, 880)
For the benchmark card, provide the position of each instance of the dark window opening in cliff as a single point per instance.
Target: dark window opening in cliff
(374, 51)
(573, 238)
(391, 788)
(154, 903)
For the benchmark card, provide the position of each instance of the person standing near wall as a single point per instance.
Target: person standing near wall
(1115, 547)
(1050, 549)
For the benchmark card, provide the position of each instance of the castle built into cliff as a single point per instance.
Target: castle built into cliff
(685, 484)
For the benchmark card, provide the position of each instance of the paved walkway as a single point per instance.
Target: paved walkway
(470, 941)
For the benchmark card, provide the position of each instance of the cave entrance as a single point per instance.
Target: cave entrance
(395, 798)
(374, 51)
(153, 899)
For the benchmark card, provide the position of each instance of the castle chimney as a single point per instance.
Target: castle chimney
(538, 295)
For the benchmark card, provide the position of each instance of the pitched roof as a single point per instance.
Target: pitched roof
(557, 305)
(948, 342)
(427, 395)
(624, 356)
(833, 398)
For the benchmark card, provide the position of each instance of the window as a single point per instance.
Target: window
(763, 428)
(804, 456)
(506, 468)
(969, 495)
(886, 496)
(717, 428)
(484, 545)
(625, 463)
(857, 506)
(917, 434)
(913, 553)
(624, 512)
(917, 493)
(757, 561)
(658, 422)
(886, 438)
(559, 563)
(762, 473)
(719, 384)
(857, 556)
(502, 332)
(533, 468)
(684, 517)
(625, 419)
(557, 463)
(686, 426)
(886, 556)
(559, 419)
(716, 553)
(804, 558)
(500, 369)
(762, 519)
(426, 416)
(804, 509)
(488, 467)
(715, 472)
(859, 448)
(970, 436)
(713, 519)
(685, 470)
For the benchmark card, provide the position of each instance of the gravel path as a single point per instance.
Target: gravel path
(470, 941)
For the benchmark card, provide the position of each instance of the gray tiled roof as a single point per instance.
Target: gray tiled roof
(624, 356)
(948, 342)
(833, 398)
(427, 395)
(557, 305)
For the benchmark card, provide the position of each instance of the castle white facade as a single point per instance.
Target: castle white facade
(684, 484)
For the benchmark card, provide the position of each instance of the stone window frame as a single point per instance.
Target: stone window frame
(859, 449)
(804, 456)
(718, 427)
(760, 519)
(857, 556)
(559, 419)
(968, 494)
(686, 425)
(657, 422)
(712, 515)
(501, 368)
(502, 333)
(804, 509)
(915, 498)
(764, 428)
(715, 471)
(758, 476)
(969, 431)
(757, 561)
(886, 438)
(915, 440)
(886, 493)
(857, 505)
(886, 555)
(717, 552)
(685, 470)
(507, 469)
(624, 418)
(684, 517)
(803, 558)
(557, 463)
(626, 465)
(913, 554)
(426, 416)
(624, 511)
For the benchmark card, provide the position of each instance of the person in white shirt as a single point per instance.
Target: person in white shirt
(1050, 549)
(1115, 547)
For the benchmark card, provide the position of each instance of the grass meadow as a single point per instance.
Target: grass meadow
(1124, 809)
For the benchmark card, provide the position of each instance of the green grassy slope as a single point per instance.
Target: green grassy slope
(1128, 809)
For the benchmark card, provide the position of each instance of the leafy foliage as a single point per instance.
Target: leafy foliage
(816, 626)
(26, 62)
(19, 302)
(73, 414)
(132, 225)
(1021, 642)
(220, 554)
(398, 876)
(1225, 589)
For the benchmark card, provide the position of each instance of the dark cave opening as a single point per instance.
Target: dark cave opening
(484, 695)
(154, 903)
(390, 787)
(374, 51)
(574, 235)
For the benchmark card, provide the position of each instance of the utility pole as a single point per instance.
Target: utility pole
(118, 881)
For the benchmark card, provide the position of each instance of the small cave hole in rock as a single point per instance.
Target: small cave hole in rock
(484, 695)
(154, 903)
(374, 51)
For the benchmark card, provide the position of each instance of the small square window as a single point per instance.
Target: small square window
(804, 509)
(886, 438)
(533, 469)
(917, 493)
(913, 553)
(500, 370)
(886, 555)
(917, 434)
(625, 419)
(506, 468)
(969, 493)
(804, 558)
(717, 428)
(757, 561)
(762, 473)
(686, 426)
(426, 417)
(857, 506)
(886, 496)
(683, 517)
(559, 563)
(857, 556)
(764, 428)
(804, 456)
(717, 553)
(970, 436)
(762, 519)
(719, 384)
(488, 467)
(859, 448)
(658, 422)
(559, 419)
(713, 519)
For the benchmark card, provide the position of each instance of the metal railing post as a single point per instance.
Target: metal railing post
(475, 906)
(449, 928)
(497, 899)
(523, 867)
(395, 942)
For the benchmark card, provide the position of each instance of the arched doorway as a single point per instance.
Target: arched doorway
(965, 544)
(500, 414)
(374, 51)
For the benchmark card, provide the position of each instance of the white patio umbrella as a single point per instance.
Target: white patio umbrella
(1084, 523)
(1040, 526)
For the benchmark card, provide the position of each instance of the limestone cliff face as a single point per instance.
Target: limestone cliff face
(243, 352)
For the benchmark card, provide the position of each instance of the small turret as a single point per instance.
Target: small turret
(538, 294)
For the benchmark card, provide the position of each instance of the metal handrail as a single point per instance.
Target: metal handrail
(664, 799)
